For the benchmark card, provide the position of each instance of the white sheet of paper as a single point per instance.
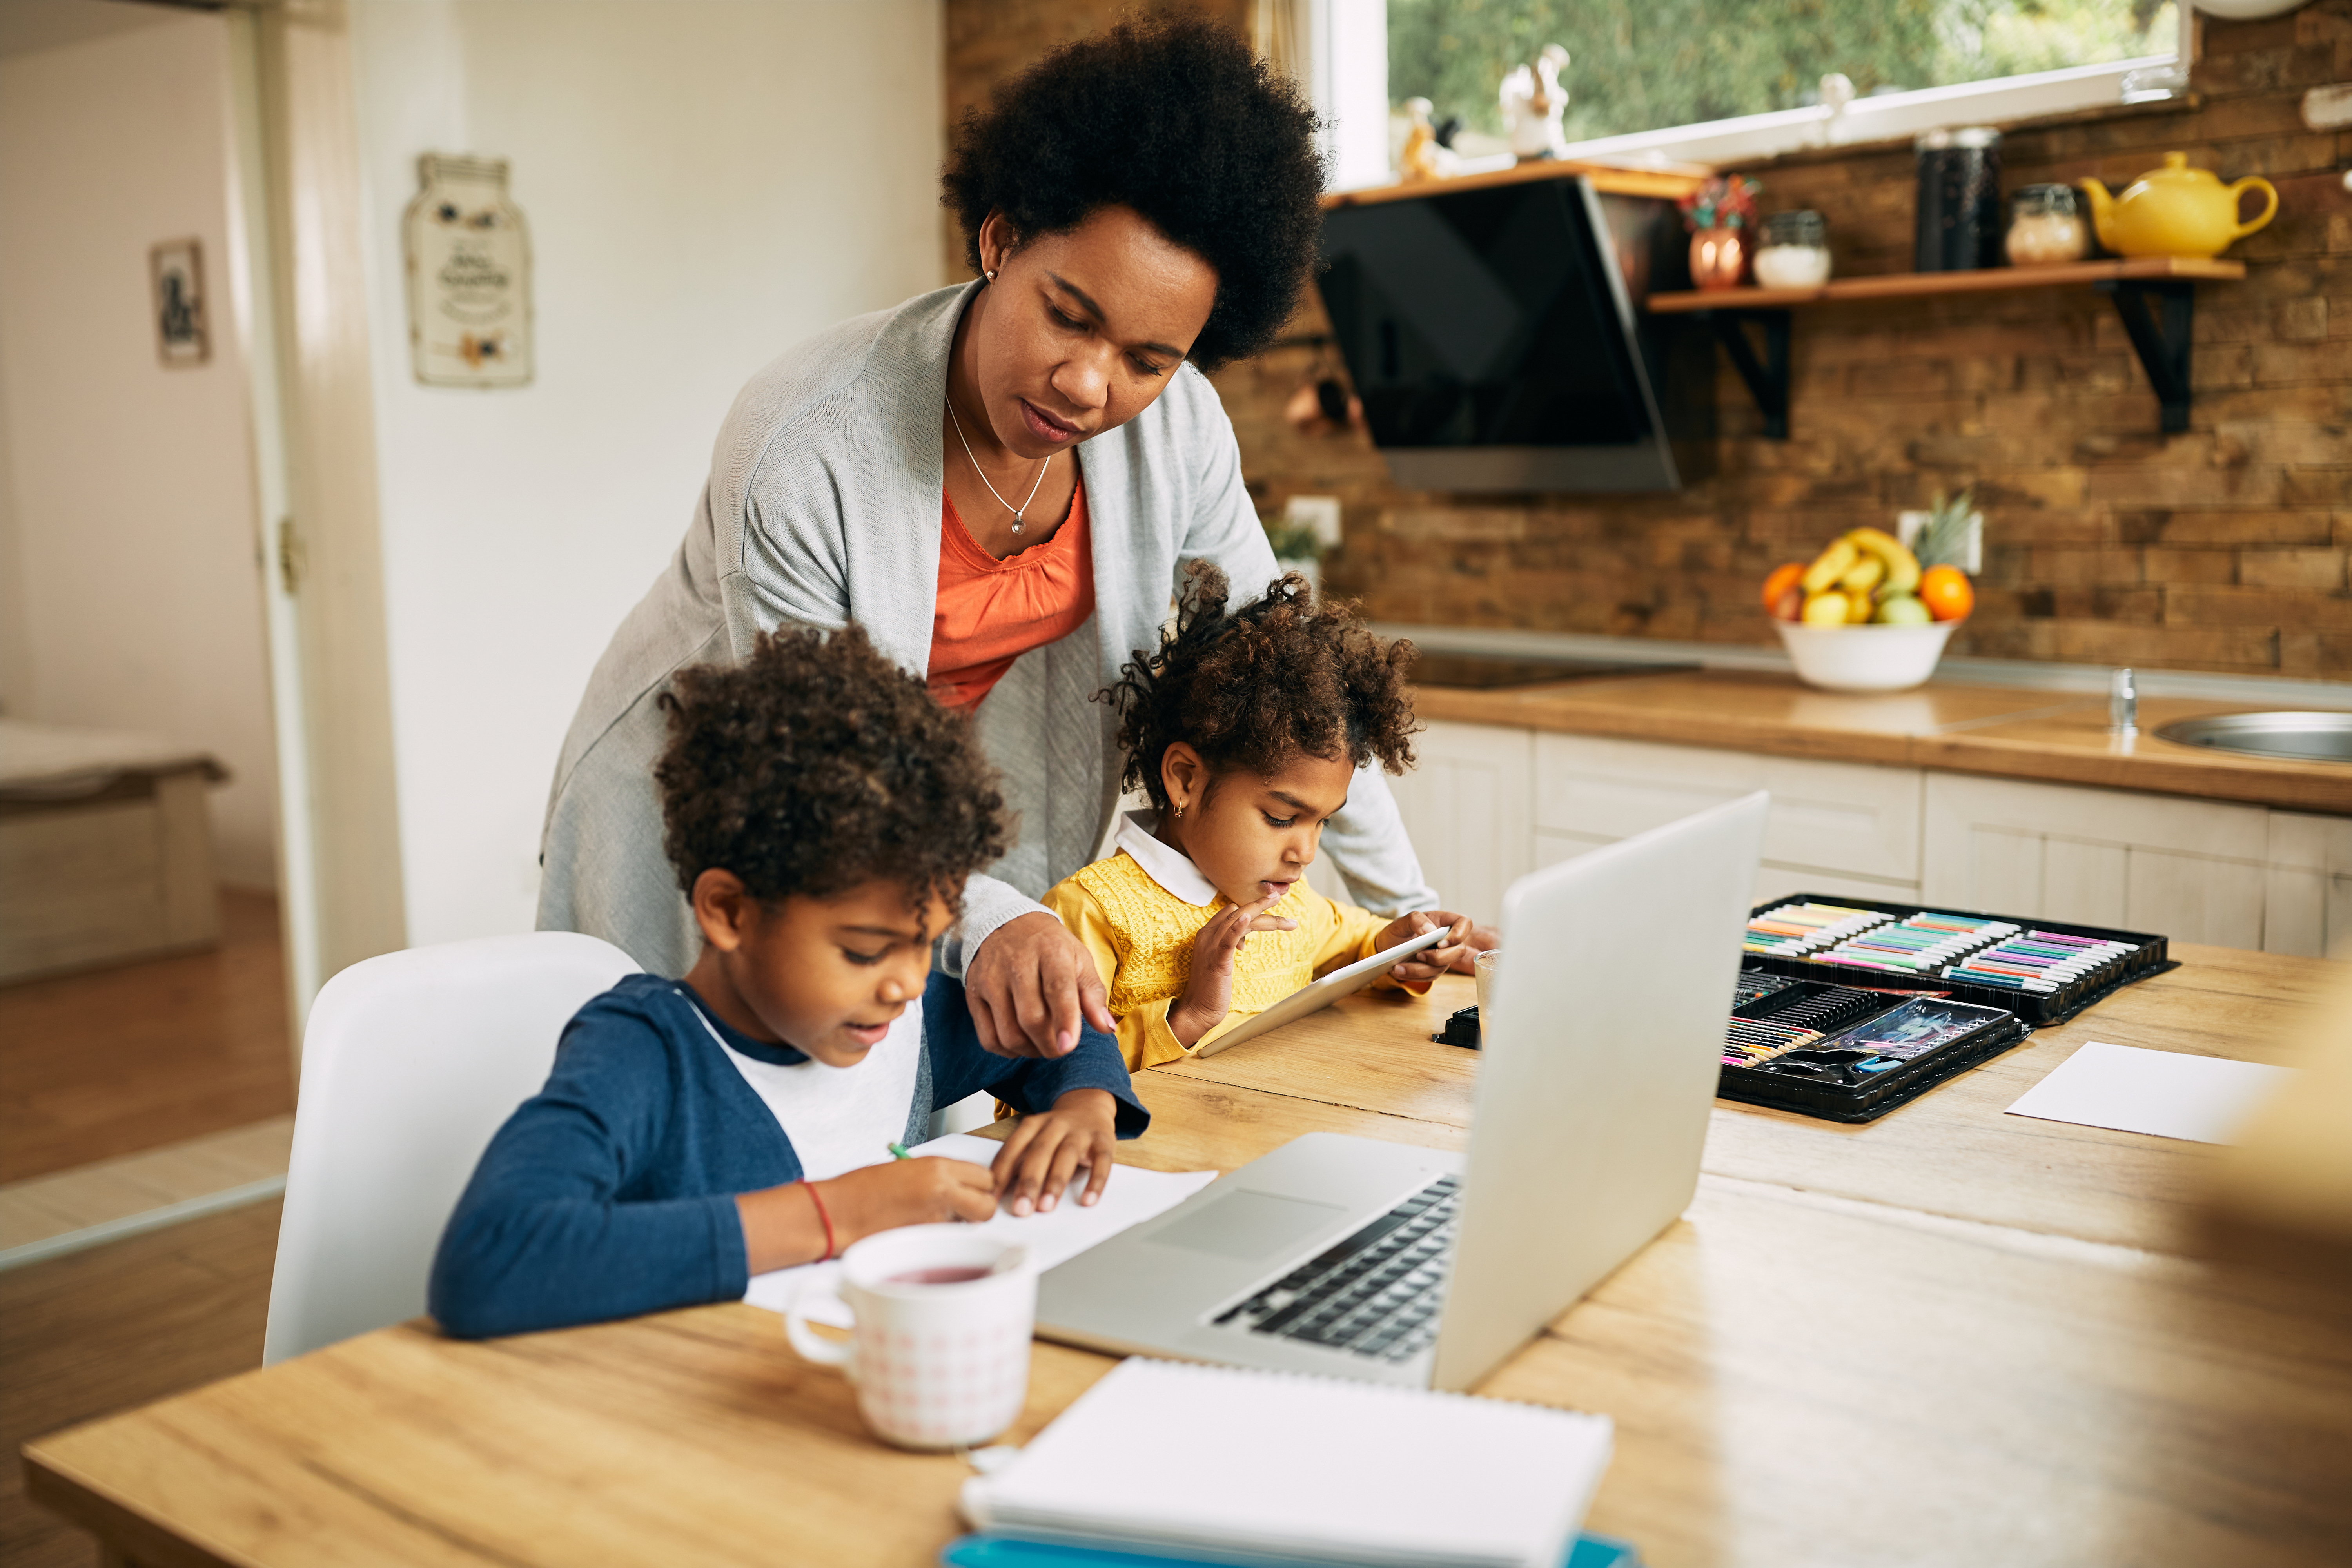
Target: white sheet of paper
(2168, 1093)
(1131, 1196)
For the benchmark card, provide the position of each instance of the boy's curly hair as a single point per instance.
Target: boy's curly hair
(1258, 687)
(816, 765)
(1174, 117)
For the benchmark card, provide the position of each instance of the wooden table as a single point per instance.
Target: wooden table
(1949, 1336)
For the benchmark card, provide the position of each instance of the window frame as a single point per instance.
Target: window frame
(1752, 138)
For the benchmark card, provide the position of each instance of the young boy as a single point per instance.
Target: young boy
(1245, 730)
(823, 814)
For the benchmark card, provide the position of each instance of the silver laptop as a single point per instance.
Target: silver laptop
(1355, 1258)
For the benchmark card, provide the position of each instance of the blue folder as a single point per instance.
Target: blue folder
(990, 1550)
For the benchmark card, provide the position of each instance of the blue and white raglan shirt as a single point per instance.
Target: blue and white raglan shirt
(612, 1191)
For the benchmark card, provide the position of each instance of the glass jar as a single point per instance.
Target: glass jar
(2045, 227)
(1794, 251)
(1959, 219)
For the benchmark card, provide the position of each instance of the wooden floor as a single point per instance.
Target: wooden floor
(118, 1060)
(116, 1327)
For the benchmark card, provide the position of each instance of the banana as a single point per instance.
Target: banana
(1859, 609)
(1902, 566)
(1863, 576)
(1830, 565)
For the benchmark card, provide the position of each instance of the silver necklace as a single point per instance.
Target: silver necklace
(1015, 510)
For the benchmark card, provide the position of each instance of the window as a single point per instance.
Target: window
(1713, 79)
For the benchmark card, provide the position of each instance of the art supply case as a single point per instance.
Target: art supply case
(1875, 1051)
(2146, 956)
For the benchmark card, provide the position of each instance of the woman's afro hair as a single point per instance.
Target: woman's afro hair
(1174, 117)
(1256, 689)
(816, 765)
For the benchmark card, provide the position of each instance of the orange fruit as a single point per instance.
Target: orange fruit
(1777, 586)
(1945, 591)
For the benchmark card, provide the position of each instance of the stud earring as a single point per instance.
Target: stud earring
(990, 275)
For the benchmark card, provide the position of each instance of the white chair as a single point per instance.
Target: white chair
(410, 1061)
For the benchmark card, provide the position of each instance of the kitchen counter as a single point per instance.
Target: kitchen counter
(2019, 732)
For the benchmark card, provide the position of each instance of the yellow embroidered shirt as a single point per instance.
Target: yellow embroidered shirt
(1141, 937)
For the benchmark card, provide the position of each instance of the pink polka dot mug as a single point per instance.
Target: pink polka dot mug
(943, 1315)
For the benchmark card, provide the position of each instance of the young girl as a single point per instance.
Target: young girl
(1245, 730)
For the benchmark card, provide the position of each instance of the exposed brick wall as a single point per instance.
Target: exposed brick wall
(2221, 548)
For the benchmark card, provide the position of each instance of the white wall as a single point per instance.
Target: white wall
(127, 563)
(705, 182)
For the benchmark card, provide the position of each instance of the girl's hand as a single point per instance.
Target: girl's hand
(1042, 1152)
(1208, 993)
(1431, 962)
(1481, 939)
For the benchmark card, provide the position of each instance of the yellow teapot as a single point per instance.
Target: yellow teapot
(2175, 211)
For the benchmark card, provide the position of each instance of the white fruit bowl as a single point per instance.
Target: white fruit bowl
(1864, 658)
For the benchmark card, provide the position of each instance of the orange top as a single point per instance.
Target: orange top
(991, 611)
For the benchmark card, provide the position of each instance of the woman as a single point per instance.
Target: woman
(1000, 481)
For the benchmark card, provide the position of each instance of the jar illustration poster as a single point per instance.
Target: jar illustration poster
(468, 258)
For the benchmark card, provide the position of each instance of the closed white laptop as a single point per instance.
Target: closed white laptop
(1357, 1257)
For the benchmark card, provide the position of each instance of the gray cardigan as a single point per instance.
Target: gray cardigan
(822, 507)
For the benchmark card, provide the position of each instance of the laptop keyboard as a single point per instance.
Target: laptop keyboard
(1377, 1293)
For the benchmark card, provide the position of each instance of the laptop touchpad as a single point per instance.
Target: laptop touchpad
(1247, 1225)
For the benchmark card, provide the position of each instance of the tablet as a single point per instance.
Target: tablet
(1323, 993)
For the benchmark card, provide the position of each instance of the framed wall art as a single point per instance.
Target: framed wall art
(175, 271)
(468, 257)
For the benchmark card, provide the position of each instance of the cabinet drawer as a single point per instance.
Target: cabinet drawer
(2308, 899)
(2191, 869)
(1464, 804)
(1772, 882)
(1853, 817)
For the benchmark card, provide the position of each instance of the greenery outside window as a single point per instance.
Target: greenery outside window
(1655, 81)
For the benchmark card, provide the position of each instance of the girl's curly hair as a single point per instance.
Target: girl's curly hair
(1281, 678)
(816, 765)
(1174, 117)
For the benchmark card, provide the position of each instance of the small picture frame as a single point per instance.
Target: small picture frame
(176, 270)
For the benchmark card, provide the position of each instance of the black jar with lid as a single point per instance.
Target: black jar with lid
(1959, 225)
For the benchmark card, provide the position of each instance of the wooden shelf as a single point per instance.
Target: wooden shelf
(1669, 183)
(1921, 284)
(2155, 296)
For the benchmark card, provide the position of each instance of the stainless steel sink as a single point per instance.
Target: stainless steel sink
(2305, 737)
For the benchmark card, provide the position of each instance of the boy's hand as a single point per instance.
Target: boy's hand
(1431, 962)
(1209, 993)
(923, 1190)
(781, 1225)
(1042, 1152)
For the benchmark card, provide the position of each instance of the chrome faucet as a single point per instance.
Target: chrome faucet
(2123, 703)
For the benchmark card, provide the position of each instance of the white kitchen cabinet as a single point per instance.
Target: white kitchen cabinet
(1467, 807)
(2307, 886)
(1490, 803)
(1834, 828)
(2197, 871)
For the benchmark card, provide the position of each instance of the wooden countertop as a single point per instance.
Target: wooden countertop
(2050, 736)
(1948, 1336)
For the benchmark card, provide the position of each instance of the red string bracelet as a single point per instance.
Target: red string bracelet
(824, 1218)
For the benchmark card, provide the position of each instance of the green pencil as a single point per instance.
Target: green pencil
(898, 1151)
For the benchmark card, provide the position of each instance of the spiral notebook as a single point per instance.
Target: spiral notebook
(1279, 1468)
